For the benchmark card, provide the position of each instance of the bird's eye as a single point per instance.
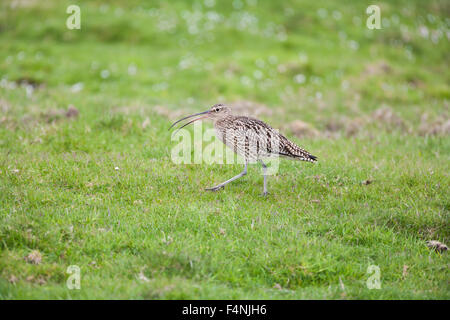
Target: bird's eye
(217, 110)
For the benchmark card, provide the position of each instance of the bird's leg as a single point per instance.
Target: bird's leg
(221, 185)
(265, 177)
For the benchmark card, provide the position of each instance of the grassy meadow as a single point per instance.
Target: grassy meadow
(86, 176)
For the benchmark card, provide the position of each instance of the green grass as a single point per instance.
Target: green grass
(148, 230)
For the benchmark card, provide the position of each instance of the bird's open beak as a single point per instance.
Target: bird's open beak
(201, 114)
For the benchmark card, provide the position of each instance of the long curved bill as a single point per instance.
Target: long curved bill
(202, 114)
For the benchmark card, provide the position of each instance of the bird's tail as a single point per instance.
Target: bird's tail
(303, 157)
(293, 151)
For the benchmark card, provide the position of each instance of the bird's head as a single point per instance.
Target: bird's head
(216, 112)
(219, 111)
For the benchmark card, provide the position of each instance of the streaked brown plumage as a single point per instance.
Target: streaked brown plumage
(251, 138)
(257, 139)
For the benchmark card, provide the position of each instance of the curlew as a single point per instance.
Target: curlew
(250, 138)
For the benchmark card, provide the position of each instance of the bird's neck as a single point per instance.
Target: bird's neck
(223, 120)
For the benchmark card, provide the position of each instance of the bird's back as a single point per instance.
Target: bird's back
(253, 139)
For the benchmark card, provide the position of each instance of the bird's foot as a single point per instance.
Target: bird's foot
(265, 193)
(216, 188)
